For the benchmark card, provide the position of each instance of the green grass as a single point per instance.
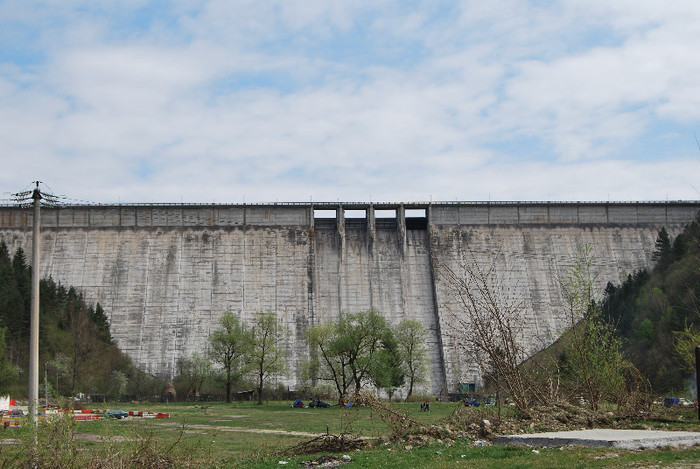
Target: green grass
(281, 416)
(243, 435)
(466, 455)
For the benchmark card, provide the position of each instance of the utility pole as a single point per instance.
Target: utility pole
(48, 199)
(34, 320)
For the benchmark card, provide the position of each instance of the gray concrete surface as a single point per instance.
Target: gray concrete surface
(165, 274)
(604, 438)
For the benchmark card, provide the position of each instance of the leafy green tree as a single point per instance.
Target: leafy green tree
(361, 335)
(388, 370)
(684, 347)
(119, 382)
(266, 357)
(356, 349)
(140, 384)
(230, 346)
(329, 361)
(60, 365)
(646, 330)
(410, 338)
(193, 373)
(593, 355)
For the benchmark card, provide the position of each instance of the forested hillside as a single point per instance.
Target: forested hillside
(76, 349)
(652, 307)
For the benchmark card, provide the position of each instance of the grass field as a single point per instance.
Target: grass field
(249, 436)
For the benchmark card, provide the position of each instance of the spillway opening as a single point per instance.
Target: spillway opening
(325, 219)
(416, 219)
(385, 219)
(355, 219)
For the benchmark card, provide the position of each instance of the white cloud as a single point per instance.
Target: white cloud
(215, 100)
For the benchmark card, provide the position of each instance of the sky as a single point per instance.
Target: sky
(348, 100)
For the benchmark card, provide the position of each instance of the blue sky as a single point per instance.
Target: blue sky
(226, 101)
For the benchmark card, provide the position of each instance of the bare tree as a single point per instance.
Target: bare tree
(488, 323)
(410, 337)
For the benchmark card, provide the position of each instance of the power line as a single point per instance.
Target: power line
(25, 197)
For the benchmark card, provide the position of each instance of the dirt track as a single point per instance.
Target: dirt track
(239, 429)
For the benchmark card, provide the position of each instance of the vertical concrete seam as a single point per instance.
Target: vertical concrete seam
(244, 262)
(340, 223)
(401, 227)
(311, 274)
(114, 293)
(372, 260)
(405, 278)
(179, 338)
(144, 315)
(277, 266)
(212, 313)
(442, 371)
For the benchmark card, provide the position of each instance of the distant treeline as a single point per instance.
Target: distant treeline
(75, 345)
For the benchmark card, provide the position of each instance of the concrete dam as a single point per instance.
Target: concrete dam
(165, 274)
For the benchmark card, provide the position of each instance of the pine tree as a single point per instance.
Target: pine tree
(662, 247)
(99, 317)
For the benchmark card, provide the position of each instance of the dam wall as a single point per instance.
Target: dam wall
(165, 274)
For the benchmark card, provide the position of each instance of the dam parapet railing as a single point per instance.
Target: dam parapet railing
(329, 214)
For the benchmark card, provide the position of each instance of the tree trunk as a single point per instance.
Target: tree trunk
(260, 388)
(410, 389)
(228, 385)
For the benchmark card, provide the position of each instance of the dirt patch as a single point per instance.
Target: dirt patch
(238, 429)
(101, 438)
